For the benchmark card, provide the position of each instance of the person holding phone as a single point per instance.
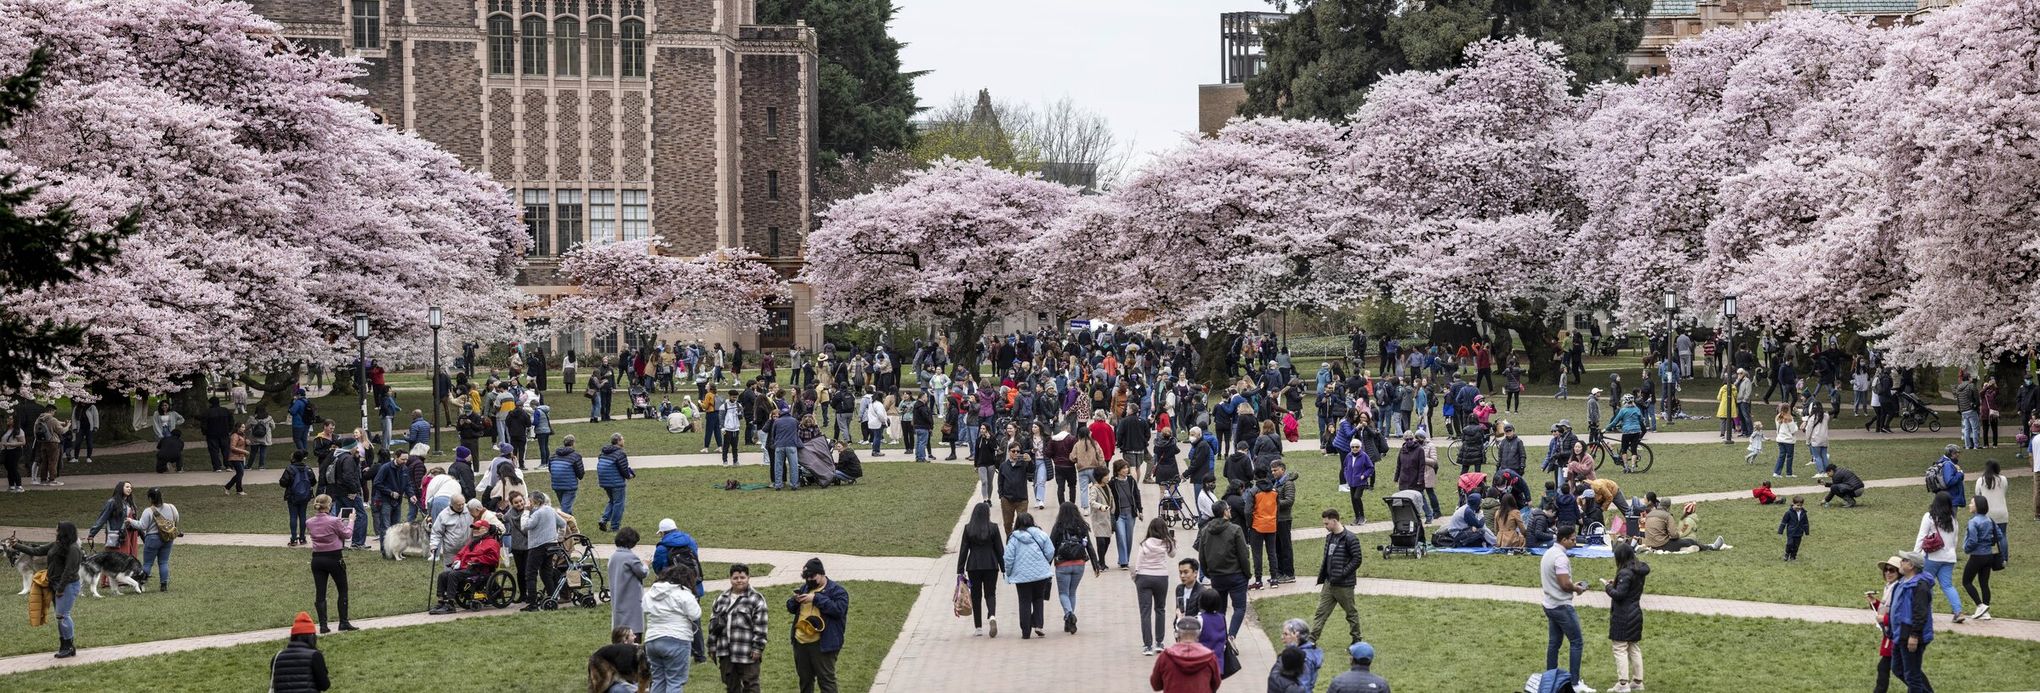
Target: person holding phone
(329, 533)
(821, 608)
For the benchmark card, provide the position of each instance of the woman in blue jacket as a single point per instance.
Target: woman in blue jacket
(1030, 568)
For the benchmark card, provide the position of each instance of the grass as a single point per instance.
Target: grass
(898, 509)
(415, 657)
(1502, 643)
(1836, 563)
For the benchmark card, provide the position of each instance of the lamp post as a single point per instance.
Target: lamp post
(361, 368)
(1728, 311)
(437, 320)
(1671, 308)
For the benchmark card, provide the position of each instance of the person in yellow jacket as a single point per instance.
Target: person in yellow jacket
(1724, 409)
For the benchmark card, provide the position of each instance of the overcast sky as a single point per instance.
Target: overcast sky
(1138, 62)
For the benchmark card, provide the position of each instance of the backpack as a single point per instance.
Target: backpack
(1553, 681)
(296, 483)
(685, 556)
(1071, 547)
(166, 527)
(1935, 482)
(310, 414)
(1264, 511)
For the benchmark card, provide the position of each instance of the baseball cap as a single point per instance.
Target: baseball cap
(1361, 650)
(667, 525)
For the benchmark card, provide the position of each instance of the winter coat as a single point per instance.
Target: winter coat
(980, 554)
(613, 470)
(566, 470)
(1185, 667)
(298, 668)
(669, 549)
(670, 611)
(1222, 549)
(1508, 528)
(1087, 454)
(1625, 602)
(627, 585)
(1030, 556)
(1409, 466)
(1509, 454)
(1343, 555)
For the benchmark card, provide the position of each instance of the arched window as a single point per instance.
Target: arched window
(534, 45)
(633, 48)
(601, 49)
(502, 46)
(567, 47)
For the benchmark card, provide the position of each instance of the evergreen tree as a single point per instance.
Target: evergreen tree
(1321, 61)
(865, 100)
(38, 249)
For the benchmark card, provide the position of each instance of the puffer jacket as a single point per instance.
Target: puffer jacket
(1509, 454)
(1342, 559)
(566, 469)
(299, 668)
(1625, 603)
(613, 470)
(1030, 556)
(1409, 466)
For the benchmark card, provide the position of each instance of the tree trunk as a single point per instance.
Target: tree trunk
(1534, 330)
(1451, 333)
(274, 391)
(342, 379)
(966, 340)
(116, 418)
(2010, 371)
(1211, 356)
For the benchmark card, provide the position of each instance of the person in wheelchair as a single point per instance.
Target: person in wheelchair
(475, 562)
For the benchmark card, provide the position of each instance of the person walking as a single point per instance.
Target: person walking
(1152, 568)
(1912, 622)
(1186, 666)
(1101, 514)
(1786, 437)
(49, 447)
(979, 558)
(821, 609)
(737, 632)
(1013, 473)
(1817, 438)
(1222, 550)
(542, 527)
(1126, 509)
(1029, 565)
(64, 559)
(1991, 487)
(298, 481)
(1071, 537)
(1625, 616)
(114, 517)
(1936, 542)
(328, 533)
(1980, 543)
(613, 473)
(627, 579)
(300, 667)
(1336, 576)
(1555, 572)
(261, 432)
(566, 469)
(158, 528)
(671, 612)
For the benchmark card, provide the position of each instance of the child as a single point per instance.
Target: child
(1764, 494)
(1794, 525)
(1756, 442)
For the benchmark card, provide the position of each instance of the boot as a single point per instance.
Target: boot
(65, 649)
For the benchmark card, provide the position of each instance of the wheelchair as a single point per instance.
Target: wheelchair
(497, 590)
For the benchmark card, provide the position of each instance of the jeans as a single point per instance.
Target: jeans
(438, 503)
(1972, 429)
(1041, 481)
(1944, 573)
(258, 456)
(986, 476)
(877, 436)
(67, 596)
(565, 500)
(612, 514)
(1264, 547)
(1153, 594)
(360, 518)
(1907, 666)
(1067, 577)
(301, 436)
(1784, 463)
(1234, 587)
(1084, 477)
(1122, 525)
(921, 445)
(297, 518)
(1819, 454)
(669, 659)
(156, 559)
(1065, 485)
(1563, 621)
(786, 466)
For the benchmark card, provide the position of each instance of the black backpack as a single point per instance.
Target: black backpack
(1071, 546)
(1935, 482)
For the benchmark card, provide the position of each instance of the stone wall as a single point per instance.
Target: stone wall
(684, 125)
(448, 82)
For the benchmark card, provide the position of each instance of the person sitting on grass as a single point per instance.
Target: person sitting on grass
(1658, 532)
(848, 468)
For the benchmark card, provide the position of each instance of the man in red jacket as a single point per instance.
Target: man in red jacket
(476, 560)
(1186, 667)
(1103, 434)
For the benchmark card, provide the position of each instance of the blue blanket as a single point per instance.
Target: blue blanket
(1582, 551)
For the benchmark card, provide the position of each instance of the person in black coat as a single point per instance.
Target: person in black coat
(300, 667)
(978, 560)
(217, 423)
(1239, 468)
(1625, 614)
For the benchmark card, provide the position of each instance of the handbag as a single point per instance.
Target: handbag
(1932, 542)
(1232, 661)
(962, 598)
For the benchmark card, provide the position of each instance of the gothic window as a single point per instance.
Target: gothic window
(534, 45)
(567, 47)
(633, 48)
(502, 46)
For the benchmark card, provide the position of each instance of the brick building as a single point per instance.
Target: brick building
(609, 119)
(1672, 21)
(1239, 57)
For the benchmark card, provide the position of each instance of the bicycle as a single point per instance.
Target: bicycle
(1601, 451)
(1491, 454)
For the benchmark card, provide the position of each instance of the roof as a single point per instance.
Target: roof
(1867, 6)
(1672, 8)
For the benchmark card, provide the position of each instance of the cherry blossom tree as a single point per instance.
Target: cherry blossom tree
(631, 285)
(948, 244)
(270, 210)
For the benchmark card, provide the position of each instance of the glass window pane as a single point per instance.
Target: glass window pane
(501, 44)
(534, 46)
(567, 47)
(567, 219)
(368, 24)
(635, 216)
(601, 216)
(537, 220)
(601, 49)
(633, 48)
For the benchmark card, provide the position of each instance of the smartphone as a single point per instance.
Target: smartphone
(347, 513)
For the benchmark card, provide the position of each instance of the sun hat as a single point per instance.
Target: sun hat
(1891, 563)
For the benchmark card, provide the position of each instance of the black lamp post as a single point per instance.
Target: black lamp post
(437, 320)
(1728, 311)
(361, 368)
(1671, 308)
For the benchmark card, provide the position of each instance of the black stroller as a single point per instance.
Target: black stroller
(1406, 520)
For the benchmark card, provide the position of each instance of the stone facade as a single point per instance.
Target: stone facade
(608, 119)
(1672, 21)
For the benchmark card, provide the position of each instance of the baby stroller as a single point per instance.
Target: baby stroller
(817, 461)
(640, 403)
(1173, 508)
(1406, 519)
(579, 576)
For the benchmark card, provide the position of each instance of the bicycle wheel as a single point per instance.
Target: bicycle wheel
(1644, 458)
(1598, 451)
(1910, 423)
(1933, 422)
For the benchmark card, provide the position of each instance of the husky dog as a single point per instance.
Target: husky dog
(118, 568)
(23, 563)
(405, 537)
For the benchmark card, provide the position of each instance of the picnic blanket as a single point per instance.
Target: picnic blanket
(1581, 551)
(740, 487)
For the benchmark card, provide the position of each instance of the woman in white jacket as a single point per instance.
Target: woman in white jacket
(671, 612)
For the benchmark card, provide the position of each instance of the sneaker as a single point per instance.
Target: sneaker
(56, 483)
(993, 627)
(1982, 612)
(1717, 542)
(1254, 585)
(1579, 687)
(1636, 687)
(1620, 687)
(1959, 618)
(979, 633)
(1147, 651)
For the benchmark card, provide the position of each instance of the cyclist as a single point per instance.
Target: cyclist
(1629, 422)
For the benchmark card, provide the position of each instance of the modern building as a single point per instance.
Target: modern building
(610, 120)
(1672, 21)
(1240, 56)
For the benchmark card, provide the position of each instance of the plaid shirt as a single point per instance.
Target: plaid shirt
(737, 631)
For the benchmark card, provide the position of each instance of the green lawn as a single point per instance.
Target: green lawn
(551, 653)
(1497, 644)
(1836, 563)
(898, 509)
